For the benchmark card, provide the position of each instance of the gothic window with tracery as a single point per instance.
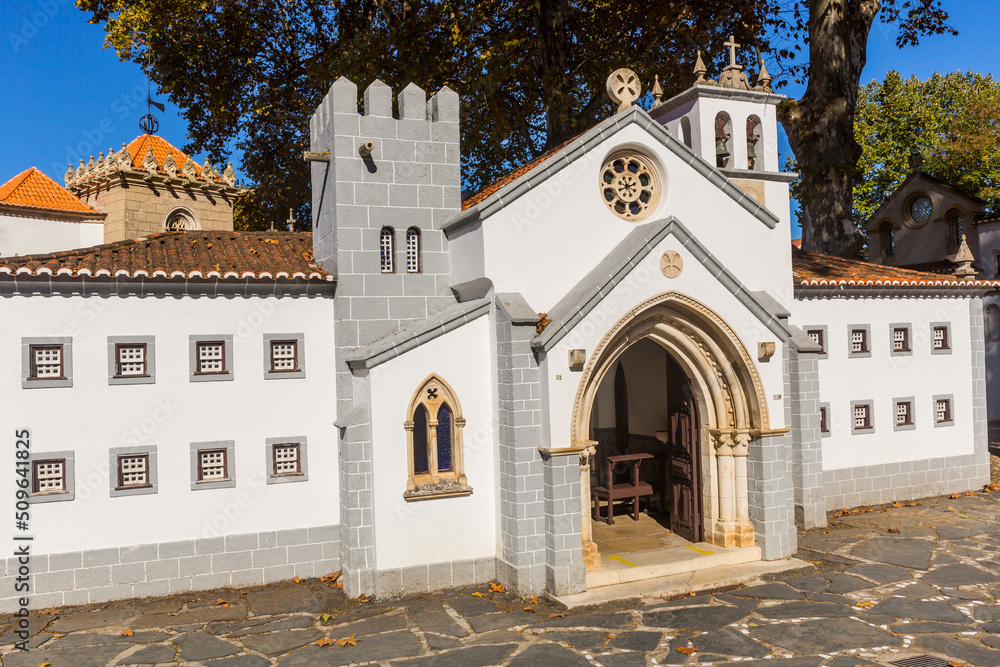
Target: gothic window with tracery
(434, 443)
(180, 220)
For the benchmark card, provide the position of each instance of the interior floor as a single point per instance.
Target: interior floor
(628, 536)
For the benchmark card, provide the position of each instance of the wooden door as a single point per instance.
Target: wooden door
(684, 473)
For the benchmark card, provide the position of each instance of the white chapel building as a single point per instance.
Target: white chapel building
(426, 393)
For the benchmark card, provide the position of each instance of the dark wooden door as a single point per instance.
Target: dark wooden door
(684, 473)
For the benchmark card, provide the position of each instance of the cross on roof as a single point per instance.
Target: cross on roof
(291, 220)
(732, 50)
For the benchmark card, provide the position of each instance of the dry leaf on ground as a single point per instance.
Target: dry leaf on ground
(325, 641)
(689, 650)
(126, 633)
(352, 640)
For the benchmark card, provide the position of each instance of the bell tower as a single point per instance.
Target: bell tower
(732, 125)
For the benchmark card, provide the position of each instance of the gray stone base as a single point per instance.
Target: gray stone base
(880, 484)
(523, 580)
(434, 577)
(146, 570)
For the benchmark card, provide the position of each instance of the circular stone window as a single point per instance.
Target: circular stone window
(630, 186)
(920, 209)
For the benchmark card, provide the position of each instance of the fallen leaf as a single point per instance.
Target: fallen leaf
(533, 600)
(691, 594)
(479, 595)
(956, 664)
(752, 624)
(296, 580)
(126, 633)
(558, 615)
(221, 603)
(49, 612)
(340, 584)
(610, 636)
(325, 641)
(45, 664)
(688, 650)
(897, 504)
(815, 562)
(326, 617)
(970, 493)
(173, 613)
(352, 640)
(893, 530)
(865, 605)
(362, 598)
(332, 577)
(528, 609)
(955, 495)
(496, 588)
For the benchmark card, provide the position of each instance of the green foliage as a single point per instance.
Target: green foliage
(952, 121)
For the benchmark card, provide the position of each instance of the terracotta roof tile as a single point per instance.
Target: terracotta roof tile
(496, 185)
(224, 255)
(33, 189)
(161, 148)
(814, 270)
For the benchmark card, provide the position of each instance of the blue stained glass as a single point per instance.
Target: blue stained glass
(420, 463)
(444, 437)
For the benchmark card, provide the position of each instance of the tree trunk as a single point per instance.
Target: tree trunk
(550, 30)
(820, 126)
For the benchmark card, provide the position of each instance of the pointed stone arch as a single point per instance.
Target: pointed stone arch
(731, 401)
(438, 401)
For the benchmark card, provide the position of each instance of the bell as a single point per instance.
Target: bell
(721, 152)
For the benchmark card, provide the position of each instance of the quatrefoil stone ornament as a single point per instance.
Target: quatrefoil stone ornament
(432, 393)
(671, 264)
(623, 88)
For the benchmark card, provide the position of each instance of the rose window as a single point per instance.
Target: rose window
(630, 186)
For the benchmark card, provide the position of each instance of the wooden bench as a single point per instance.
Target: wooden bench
(628, 491)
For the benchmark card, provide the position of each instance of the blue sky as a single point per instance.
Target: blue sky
(68, 98)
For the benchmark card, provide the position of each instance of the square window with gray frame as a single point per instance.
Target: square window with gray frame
(130, 360)
(816, 336)
(287, 459)
(48, 476)
(904, 413)
(942, 410)
(940, 338)
(859, 341)
(46, 362)
(284, 356)
(862, 417)
(212, 465)
(211, 357)
(900, 339)
(133, 471)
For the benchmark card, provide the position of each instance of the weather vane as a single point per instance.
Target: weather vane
(148, 123)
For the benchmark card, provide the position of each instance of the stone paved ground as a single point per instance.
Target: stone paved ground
(885, 584)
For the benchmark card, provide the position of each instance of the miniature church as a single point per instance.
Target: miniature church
(612, 351)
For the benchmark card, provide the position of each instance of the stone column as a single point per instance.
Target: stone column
(591, 556)
(565, 573)
(724, 533)
(744, 527)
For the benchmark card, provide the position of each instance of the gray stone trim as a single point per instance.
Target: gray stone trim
(473, 289)
(951, 409)
(303, 475)
(829, 421)
(230, 481)
(869, 343)
(67, 361)
(913, 414)
(69, 469)
(171, 568)
(930, 333)
(86, 286)
(580, 146)
(909, 339)
(807, 452)
(977, 334)
(149, 377)
(871, 417)
(517, 307)
(824, 349)
(417, 334)
(773, 176)
(717, 92)
(617, 265)
(193, 341)
(906, 480)
(398, 581)
(151, 472)
(772, 305)
(300, 352)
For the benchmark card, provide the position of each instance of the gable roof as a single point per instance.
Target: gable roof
(877, 216)
(183, 255)
(620, 262)
(817, 270)
(33, 189)
(505, 190)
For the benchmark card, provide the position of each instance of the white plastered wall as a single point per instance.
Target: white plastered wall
(91, 417)
(441, 529)
(883, 377)
(27, 236)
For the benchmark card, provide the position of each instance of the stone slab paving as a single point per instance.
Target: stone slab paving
(886, 584)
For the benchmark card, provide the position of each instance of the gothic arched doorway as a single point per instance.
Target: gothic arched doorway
(718, 408)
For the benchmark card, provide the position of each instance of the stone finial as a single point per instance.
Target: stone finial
(91, 167)
(964, 259)
(124, 158)
(378, 99)
(206, 170)
(699, 69)
(229, 175)
(763, 77)
(149, 162)
(623, 88)
(657, 92)
(81, 171)
(111, 163)
(99, 166)
(170, 165)
(413, 102)
(189, 169)
(69, 176)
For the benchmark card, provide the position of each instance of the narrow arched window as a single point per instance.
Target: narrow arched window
(723, 140)
(887, 238)
(686, 131)
(387, 248)
(956, 226)
(755, 145)
(434, 440)
(413, 250)
(993, 322)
